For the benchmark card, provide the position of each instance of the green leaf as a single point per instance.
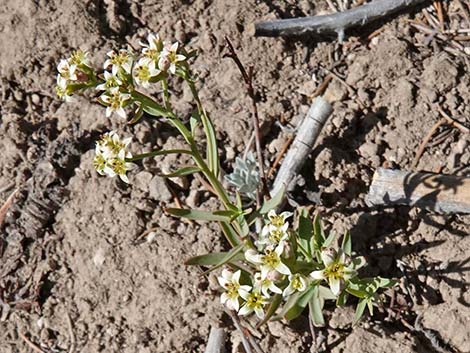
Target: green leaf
(267, 206)
(182, 172)
(230, 256)
(300, 304)
(230, 234)
(137, 116)
(386, 282)
(273, 202)
(341, 301)
(371, 307)
(150, 106)
(316, 308)
(277, 300)
(359, 310)
(305, 231)
(194, 122)
(329, 240)
(347, 244)
(358, 262)
(211, 149)
(212, 259)
(326, 293)
(197, 215)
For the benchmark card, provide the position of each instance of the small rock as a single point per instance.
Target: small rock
(99, 258)
(142, 180)
(158, 189)
(35, 99)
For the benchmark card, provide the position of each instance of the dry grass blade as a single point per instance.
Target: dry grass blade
(31, 345)
(425, 141)
(6, 206)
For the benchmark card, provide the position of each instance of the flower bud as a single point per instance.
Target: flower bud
(274, 276)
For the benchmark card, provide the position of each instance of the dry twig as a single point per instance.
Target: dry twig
(31, 345)
(248, 79)
(334, 24)
(6, 206)
(425, 141)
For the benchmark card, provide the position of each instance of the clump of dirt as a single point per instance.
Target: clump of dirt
(77, 245)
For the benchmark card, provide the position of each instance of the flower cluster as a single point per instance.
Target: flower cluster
(112, 157)
(73, 71)
(277, 270)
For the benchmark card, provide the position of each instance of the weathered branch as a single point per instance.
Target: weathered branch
(216, 342)
(436, 192)
(307, 134)
(334, 24)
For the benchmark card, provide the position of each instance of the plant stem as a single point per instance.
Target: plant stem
(157, 153)
(166, 95)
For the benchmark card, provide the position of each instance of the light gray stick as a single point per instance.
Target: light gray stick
(436, 192)
(216, 342)
(335, 23)
(307, 134)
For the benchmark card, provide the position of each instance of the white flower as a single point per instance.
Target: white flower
(338, 269)
(115, 101)
(269, 261)
(62, 90)
(111, 156)
(273, 236)
(255, 301)
(119, 60)
(110, 81)
(169, 58)
(297, 282)
(67, 70)
(151, 50)
(265, 285)
(79, 58)
(230, 281)
(144, 71)
(278, 220)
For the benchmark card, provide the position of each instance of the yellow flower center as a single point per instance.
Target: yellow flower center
(99, 162)
(270, 259)
(255, 300)
(275, 236)
(296, 282)
(77, 57)
(232, 289)
(335, 270)
(143, 73)
(119, 166)
(277, 221)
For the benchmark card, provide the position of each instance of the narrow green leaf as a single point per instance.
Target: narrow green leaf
(137, 116)
(359, 310)
(182, 172)
(149, 105)
(341, 301)
(305, 231)
(227, 258)
(371, 307)
(300, 305)
(197, 215)
(329, 240)
(230, 234)
(326, 293)
(273, 203)
(267, 206)
(347, 244)
(211, 259)
(316, 308)
(194, 122)
(211, 149)
(275, 303)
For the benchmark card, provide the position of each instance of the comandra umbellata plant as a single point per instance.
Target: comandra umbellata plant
(274, 273)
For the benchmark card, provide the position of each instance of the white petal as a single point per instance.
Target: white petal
(223, 282)
(245, 310)
(319, 275)
(259, 312)
(281, 268)
(328, 256)
(234, 304)
(121, 112)
(227, 274)
(124, 178)
(275, 289)
(335, 285)
(109, 110)
(272, 214)
(223, 298)
(252, 256)
(245, 290)
(288, 291)
(236, 276)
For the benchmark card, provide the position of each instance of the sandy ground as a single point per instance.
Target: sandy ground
(69, 246)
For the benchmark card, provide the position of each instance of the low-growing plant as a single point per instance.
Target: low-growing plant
(273, 269)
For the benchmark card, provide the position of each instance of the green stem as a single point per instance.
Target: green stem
(166, 95)
(157, 153)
